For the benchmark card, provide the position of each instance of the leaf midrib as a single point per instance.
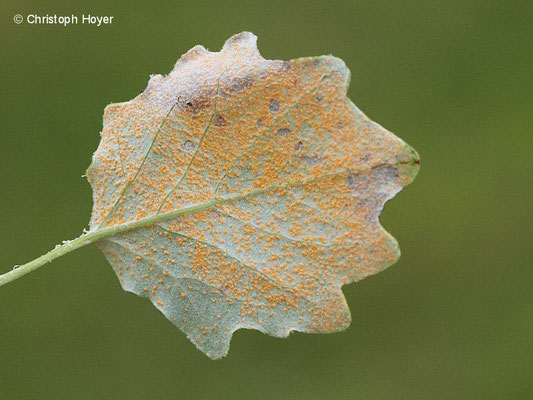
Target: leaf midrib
(101, 233)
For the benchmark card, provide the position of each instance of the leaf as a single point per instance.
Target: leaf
(246, 192)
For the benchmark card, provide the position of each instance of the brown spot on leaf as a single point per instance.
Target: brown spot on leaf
(219, 120)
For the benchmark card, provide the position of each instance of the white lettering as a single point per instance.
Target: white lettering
(96, 20)
(66, 20)
(52, 19)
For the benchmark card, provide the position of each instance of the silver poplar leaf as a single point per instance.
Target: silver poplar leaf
(248, 192)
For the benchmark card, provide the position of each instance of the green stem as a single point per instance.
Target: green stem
(93, 236)
(65, 248)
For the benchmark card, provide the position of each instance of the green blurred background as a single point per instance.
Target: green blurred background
(453, 319)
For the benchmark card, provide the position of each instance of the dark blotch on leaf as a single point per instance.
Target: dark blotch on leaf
(311, 160)
(239, 83)
(219, 120)
(273, 106)
(196, 104)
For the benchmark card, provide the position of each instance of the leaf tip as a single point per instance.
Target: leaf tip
(241, 41)
(408, 165)
(194, 53)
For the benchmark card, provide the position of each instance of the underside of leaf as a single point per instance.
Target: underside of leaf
(253, 188)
